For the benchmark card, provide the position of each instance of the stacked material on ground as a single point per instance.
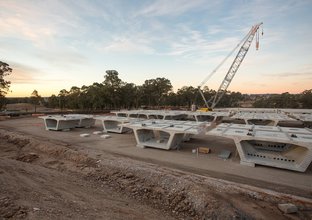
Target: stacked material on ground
(263, 118)
(173, 115)
(207, 116)
(62, 122)
(283, 147)
(86, 121)
(66, 122)
(116, 124)
(306, 118)
(165, 134)
(153, 114)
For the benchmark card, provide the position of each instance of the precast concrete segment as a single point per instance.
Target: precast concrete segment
(207, 116)
(115, 124)
(282, 147)
(60, 122)
(257, 110)
(86, 121)
(262, 118)
(153, 114)
(303, 116)
(306, 118)
(297, 111)
(165, 134)
(173, 115)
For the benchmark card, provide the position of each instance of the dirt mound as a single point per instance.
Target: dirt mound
(8, 209)
(28, 158)
(19, 142)
(180, 194)
(164, 190)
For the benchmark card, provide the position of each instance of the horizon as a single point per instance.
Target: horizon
(174, 92)
(54, 45)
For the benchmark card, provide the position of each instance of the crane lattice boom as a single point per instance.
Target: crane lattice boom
(235, 65)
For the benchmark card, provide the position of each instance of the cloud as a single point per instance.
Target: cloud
(127, 45)
(171, 8)
(288, 74)
(199, 45)
(62, 57)
(18, 27)
(41, 23)
(214, 29)
(262, 9)
(22, 73)
(27, 74)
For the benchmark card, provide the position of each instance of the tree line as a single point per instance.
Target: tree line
(286, 100)
(114, 93)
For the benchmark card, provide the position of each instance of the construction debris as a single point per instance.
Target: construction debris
(204, 150)
(106, 136)
(84, 135)
(288, 208)
(98, 132)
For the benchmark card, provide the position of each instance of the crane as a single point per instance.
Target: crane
(246, 42)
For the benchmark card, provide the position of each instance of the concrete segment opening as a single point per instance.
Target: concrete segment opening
(266, 151)
(260, 122)
(153, 137)
(112, 125)
(51, 123)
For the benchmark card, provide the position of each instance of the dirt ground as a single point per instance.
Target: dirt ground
(49, 180)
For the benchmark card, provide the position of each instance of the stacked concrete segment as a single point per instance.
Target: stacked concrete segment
(306, 118)
(116, 124)
(86, 121)
(60, 122)
(173, 115)
(152, 114)
(164, 134)
(282, 147)
(263, 118)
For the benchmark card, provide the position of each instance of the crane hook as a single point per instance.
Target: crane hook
(262, 31)
(257, 40)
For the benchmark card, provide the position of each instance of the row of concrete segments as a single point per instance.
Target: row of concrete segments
(283, 147)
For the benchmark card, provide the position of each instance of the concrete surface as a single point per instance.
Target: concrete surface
(205, 164)
(283, 147)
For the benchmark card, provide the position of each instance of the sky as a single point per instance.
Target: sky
(56, 44)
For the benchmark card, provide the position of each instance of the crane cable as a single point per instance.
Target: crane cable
(257, 40)
(223, 61)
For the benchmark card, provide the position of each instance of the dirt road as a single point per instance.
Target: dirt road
(55, 181)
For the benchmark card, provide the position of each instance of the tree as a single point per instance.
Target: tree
(5, 70)
(306, 98)
(62, 98)
(74, 97)
(186, 96)
(53, 101)
(35, 99)
(111, 79)
(84, 100)
(155, 90)
(112, 85)
(163, 87)
(128, 94)
(97, 96)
